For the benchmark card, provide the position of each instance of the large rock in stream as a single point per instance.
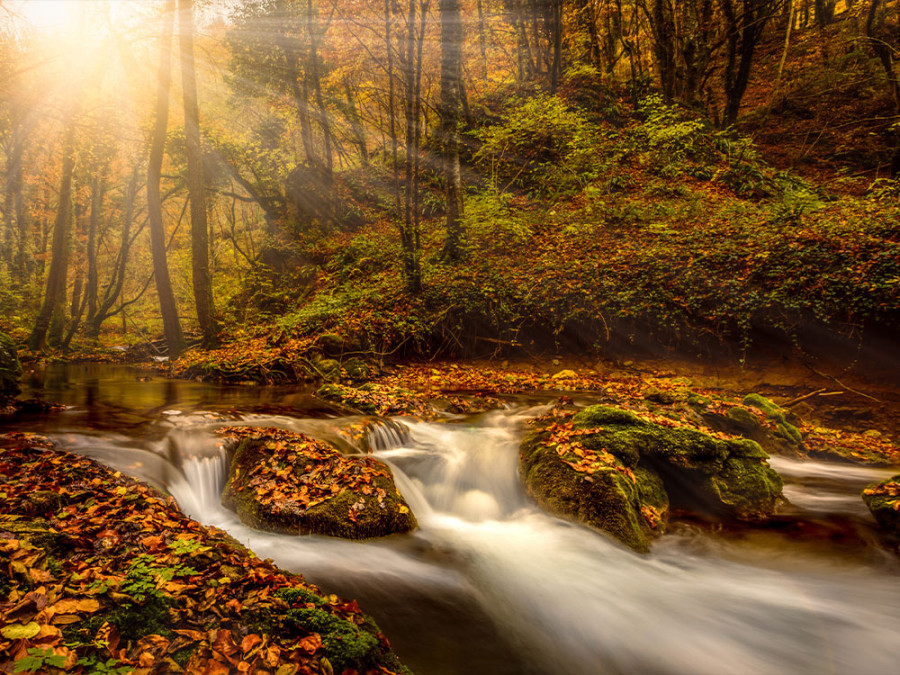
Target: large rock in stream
(614, 471)
(289, 483)
(883, 500)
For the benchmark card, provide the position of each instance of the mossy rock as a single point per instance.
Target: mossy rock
(357, 370)
(784, 429)
(328, 369)
(883, 500)
(607, 499)
(10, 368)
(292, 484)
(714, 476)
(661, 396)
(743, 419)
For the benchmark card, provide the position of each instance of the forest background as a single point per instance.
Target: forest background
(277, 180)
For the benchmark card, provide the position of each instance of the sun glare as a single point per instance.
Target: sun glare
(60, 17)
(47, 15)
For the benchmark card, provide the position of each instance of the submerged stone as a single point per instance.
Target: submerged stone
(292, 484)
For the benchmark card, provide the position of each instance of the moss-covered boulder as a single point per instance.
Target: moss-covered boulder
(610, 469)
(10, 368)
(292, 484)
(883, 500)
(375, 399)
(588, 484)
(703, 473)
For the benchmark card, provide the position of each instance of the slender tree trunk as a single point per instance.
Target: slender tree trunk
(168, 308)
(356, 125)
(451, 80)
(196, 183)
(312, 30)
(482, 40)
(93, 281)
(392, 106)
(114, 288)
(52, 312)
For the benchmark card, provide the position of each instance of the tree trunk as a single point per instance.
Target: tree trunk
(196, 183)
(451, 78)
(168, 308)
(885, 53)
(114, 288)
(51, 317)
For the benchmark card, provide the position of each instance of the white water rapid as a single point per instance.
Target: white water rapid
(490, 584)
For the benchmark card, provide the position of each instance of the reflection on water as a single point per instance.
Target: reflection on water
(489, 583)
(103, 396)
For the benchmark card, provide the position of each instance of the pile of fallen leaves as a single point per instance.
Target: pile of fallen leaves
(377, 399)
(102, 574)
(266, 358)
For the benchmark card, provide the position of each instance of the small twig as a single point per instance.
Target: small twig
(841, 384)
(795, 401)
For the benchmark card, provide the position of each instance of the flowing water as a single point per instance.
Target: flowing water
(489, 583)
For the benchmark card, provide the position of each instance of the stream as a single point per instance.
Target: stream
(491, 584)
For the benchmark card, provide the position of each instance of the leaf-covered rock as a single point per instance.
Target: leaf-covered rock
(289, 483)
(883, 500)
(570, 476)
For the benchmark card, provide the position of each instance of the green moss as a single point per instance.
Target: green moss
(601, 415)
(746, 488)
(784, 429)
(357, 369)
(346, 645)
(743, 418)
(698, 402)
(652, 490)
(293, 595)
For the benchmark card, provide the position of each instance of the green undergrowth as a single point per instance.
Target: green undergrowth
(594, 225)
